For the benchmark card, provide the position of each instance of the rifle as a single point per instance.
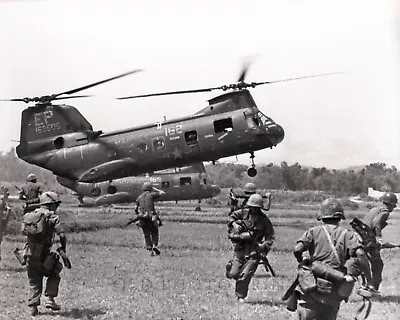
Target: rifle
(264, 259)
(388, 245)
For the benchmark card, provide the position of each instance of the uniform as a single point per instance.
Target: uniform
(147, 217)
(255, 237)
(376, 220)
(30, 192)
(317, 305)
(40, 260)
(37, 250)
(339, 252)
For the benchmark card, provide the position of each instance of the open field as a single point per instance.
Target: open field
(114, 278)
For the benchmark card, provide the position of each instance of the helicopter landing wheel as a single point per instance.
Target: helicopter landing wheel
(252, 171)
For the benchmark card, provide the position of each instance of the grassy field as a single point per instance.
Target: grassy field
(114, 278)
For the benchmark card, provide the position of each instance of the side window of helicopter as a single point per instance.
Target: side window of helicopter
(185, 181)
(165, 184)
(142, 147)
(223, 125)
(191, 137)
(158, 144)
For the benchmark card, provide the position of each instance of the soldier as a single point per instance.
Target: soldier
(30, 192)
(5, 214)
(376, 221)
(252, 234)
(147, 217)
(249, 189)
(40, 227)
(330, 247)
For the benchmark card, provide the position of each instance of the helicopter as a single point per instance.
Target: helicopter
(189, 183)
(60, 139)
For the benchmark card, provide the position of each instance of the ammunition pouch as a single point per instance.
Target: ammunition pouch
(322, 278)
(144, 215)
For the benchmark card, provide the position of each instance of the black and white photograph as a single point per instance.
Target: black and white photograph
(181, 160)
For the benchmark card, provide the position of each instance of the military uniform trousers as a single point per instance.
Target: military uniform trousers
(243, 269)
(375, 260)
(150, 232)
(310, 309)
(36, 273)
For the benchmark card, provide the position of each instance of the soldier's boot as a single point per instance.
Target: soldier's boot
(51, 304)
(156, 250)
(151, 252)
(240, 300)
(34, 311)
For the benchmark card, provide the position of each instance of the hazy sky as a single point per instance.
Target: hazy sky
(337, 121)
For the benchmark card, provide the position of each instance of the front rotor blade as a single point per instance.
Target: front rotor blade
(170, 93)
(298, 78)
(96, 83)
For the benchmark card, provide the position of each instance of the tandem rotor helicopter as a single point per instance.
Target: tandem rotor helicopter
(57, 137)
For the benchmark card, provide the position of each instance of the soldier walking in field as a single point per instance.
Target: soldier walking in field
(252, 235)
(327, 275)
(5, 214)
(40, 227)
(30, 192)
(376, 219)
(147, 218)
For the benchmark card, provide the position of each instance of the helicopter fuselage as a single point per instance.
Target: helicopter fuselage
(230, 125)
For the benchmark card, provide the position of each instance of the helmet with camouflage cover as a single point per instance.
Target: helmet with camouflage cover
(31, 178)
(256, 201)
(331, 208)
(147, 186)
(250, 188)
(389, 198)
(49, 197)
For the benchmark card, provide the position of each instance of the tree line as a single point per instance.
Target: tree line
(294, 177)
(379, 176)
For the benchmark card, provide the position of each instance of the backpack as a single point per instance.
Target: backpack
(34, 223)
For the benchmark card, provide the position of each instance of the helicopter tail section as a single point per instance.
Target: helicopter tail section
(45, 128)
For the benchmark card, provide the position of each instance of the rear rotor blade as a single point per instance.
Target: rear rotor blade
(96, 83)
(170, 93)
(298, 78)
(245, 68)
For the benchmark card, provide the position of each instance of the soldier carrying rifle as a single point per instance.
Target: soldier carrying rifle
(370, 230)
(252, 236)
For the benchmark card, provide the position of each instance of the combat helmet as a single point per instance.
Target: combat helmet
(49, 197)
(250, 188)
(147, 186)
(389, 198)
(256, 201)
(331, 208)
(31, 178)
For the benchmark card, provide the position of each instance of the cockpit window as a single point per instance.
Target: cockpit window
(266, 121)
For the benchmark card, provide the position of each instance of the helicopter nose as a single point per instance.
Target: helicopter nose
(215, 190)
(276, 133)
